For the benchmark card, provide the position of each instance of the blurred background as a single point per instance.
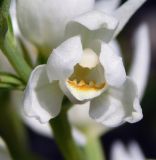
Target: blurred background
(144, 132)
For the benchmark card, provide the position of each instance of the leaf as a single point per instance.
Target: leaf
(4, 13)
(4, 7)
(10, 81)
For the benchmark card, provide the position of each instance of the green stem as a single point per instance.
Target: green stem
(11, 51)
(93, 149)
(25, 51)
(63, 136)
(12, 131)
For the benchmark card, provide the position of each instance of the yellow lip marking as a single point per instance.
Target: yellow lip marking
(83, 86)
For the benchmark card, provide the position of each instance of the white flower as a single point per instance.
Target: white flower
(85, 69)
(107, 6)
(139, 71)
(78, 114)
(132, 152)
(43, 22)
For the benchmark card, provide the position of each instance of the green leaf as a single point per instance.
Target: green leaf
(11, 50)
(4, 13)
(9, 78)
(11, 86)
(9, 45)
(10, 81)
(4, 7)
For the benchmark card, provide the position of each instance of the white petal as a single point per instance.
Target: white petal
(125, 12)
(117, 106)
(128, 95)
(79, 117)
(116, 47)
(2, 143)
(14, 18)
(42, 99)
(141, 61)
(135, 151)
(119, 152)
(92, 25)
(106, 110)
(114, 70)
(107, 6)
(4, 153)
(44, 23)
(61, 62)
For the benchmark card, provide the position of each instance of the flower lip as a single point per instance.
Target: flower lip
(87, 81)
(84, 86)
(83, 90)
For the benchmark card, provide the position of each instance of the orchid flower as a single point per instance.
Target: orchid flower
(120, 152)
(44, 23)
(92, 72)
(139, 71)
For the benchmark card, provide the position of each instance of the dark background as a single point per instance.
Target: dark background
(144, 132)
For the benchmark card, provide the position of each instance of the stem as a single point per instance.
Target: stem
(25, 51)
(63, 136)
(93, 149)
(13, 54)
(9, 45)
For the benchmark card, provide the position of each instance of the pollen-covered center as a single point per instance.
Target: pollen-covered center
(88, 75)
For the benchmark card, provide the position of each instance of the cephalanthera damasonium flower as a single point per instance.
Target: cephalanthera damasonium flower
(139, 71)
(85, 68)
(43, 22)
(82, 75)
